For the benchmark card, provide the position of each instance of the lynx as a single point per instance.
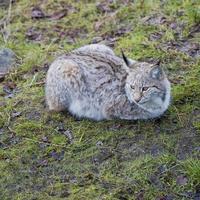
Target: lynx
(92, 82)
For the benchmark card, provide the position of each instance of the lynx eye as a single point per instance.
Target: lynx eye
(145, 89)
(132, 87)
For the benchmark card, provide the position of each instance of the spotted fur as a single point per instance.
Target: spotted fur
(93, 82)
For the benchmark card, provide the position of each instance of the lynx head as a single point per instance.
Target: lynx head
(147, 86)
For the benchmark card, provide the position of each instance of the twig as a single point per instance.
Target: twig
(38, 84)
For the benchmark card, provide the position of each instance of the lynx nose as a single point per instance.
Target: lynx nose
(137, 97)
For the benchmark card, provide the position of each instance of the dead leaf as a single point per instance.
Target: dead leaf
(34, 34)
(37, 13)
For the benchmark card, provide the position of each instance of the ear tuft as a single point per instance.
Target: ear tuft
(125, 58)
(157, 73)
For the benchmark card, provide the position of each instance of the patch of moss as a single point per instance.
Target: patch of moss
(192, 170)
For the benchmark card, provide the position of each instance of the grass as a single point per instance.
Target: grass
(53, 155)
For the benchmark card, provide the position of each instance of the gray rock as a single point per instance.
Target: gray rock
(7, 61)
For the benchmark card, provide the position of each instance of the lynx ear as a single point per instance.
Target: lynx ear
(125, 59)
(157, 73)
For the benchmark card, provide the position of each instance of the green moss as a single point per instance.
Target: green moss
(59, 139)
(192, 169)
(197, 126)
(193, 11)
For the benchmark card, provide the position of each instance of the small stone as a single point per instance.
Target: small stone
(37, 13)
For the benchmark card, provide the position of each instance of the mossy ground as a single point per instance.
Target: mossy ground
(55, 156)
